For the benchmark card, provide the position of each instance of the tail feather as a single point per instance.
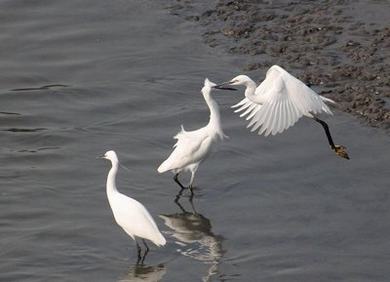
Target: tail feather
(163, 167)
(160, 240)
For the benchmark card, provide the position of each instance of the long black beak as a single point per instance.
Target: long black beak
(223, 87)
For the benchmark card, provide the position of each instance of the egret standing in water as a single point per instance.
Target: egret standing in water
(193, 147)
(130, 214)
(279, 102)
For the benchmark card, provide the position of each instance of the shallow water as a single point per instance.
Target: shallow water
(79, 78)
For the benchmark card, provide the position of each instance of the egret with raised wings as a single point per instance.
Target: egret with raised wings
(193, 147)
(130, 214)
(279, 102)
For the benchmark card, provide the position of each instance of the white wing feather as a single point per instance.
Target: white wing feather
(279, 102)
(140, 224)
(191, 147)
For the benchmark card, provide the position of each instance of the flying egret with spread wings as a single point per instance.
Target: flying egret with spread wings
(279, 102)
(193, 147)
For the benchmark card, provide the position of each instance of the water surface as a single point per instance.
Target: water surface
(80, 78)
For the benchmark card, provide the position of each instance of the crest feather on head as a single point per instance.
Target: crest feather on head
(208, 83)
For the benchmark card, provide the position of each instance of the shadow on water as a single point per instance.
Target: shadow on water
(144, 273)
(44, 87)
(9, 114)
(24, 130)
(193, 234)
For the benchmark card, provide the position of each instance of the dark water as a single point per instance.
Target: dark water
(80, 77)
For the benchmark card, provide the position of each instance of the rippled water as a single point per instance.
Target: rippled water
(80, 77)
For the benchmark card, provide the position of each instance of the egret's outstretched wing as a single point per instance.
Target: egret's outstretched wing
(279, 102)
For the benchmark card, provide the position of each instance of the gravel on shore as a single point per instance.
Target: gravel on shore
(341, 48)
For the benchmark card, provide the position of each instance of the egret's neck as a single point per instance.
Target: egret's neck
(215, 117)
(250, 90)
(111, 184)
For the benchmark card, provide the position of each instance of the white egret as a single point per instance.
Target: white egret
(130, 214)
(279, 102)
(193, 147)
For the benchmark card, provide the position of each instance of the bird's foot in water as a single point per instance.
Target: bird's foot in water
(191, 188)
(341, 151)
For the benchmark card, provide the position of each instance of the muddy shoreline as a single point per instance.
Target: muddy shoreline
(340, 48)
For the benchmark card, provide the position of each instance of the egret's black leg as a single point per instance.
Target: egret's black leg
(192, 204)
(178, 196)
(326, 128)
(192, 193)
(176, 178)
(146, 251)
(138, 252)
(192, 178)
(146, 246)
(339, 149)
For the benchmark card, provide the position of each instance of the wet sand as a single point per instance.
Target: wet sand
(339, 48)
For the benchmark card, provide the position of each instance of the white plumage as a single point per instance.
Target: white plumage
(193, 147)
(279, 102)
(130, 214)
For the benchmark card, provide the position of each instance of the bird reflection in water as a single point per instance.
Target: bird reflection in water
(195, 238)
(139, 272)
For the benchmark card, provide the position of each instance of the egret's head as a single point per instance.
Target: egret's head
(207, 85)
(110, 155)
(238, 80)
